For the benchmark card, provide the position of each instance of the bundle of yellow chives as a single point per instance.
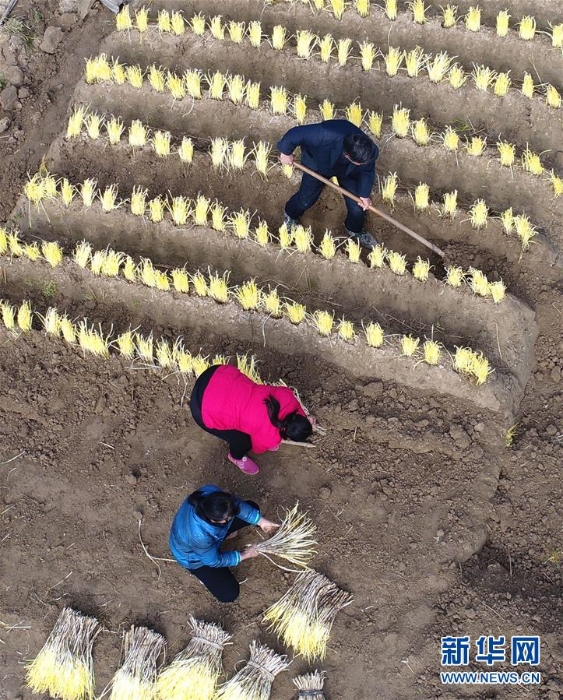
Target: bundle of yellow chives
(304, 615)
(255, 678)
(136, 677)
(194, 672)
(63, 668)
(310, 686)
(293, 541)
(247, 364)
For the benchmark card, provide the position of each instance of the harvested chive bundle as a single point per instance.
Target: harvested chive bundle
(310, 686)
(255, 678)
(136, 678)
(293, 541)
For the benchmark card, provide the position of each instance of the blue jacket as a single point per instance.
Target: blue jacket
(195, 543)
(322, 148)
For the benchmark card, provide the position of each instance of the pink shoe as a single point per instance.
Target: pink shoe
(246, 465)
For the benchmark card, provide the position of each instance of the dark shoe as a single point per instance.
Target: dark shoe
(364, 238)
(289, 222)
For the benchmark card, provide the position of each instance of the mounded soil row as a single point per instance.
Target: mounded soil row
(489, 249)
(546, 12)
(505, 332)
(509, 53)
(473, 177)
(514, 117)
(500, 394)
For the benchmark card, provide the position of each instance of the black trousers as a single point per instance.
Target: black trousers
(219, 581)
(310, 190)
(239, 442)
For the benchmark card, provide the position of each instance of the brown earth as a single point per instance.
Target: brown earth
(424, 515)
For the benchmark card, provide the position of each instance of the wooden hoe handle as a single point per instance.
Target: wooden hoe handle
(380, 213)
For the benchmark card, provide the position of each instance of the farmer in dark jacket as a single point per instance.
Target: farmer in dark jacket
(334, 148)
(205, 520)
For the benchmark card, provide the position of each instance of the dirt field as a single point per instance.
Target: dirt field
(435, 521)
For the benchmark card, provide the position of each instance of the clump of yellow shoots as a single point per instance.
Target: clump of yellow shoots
(112, 263)
(323, 322)
(400, 121)
(354, 113)
(353, 249)
(67, 329)
(156, 210)
(14, 245)
(92, 341)
(93, 125)
(142, 19)
(476, 147)
(457, 76)
(97, 261)
(134, 76)
(300, 108)
(97, 70)
(454, 276)
(262, 234)
(397, 262)
(528, 86)
(278, 100)
(422, 196)
(557, 36)
(34, 189)
(179, 208)
(478, 282)
(32, 251)
(450, 137)
(527, 28)
(525, 230)
(507, 220)
(338, 7)
(507, 153)
(391, 9)
(377, 256)
(248, 295)
(497, 290)
(8, 315)
(295, 312)
(556, 184)
(114, 129)
(418, 9)
(531, 162)
(181, 281)
(261, 153)
(161, 143)
(138, 201)
(201, 210)
(199, 284)
(503, 19)
(393, 60)
(24, 317)
(255, 33)
(218, 216)
(327, 110)
(236, 31)
(449, 207)
(279, 37)
(362, 7)
(129, 269)
(414, 61)
(109, 198)
(52, 252)
(389, 188)
(197, 24)
(88, 191)
(192, 82)
(51, 322)
(175, 85)
(421, 132)
(163, 21)
(218, 152)
(421, 269)
(285, 237)
(552, 97)
(75, 121)
(375, 123)
(326, 46)
(123, 21)
(374, 335)
(236, 155)
(272, 303)
(64, 668)
(137, 134)
(302, 238)
(218, 287)
(177, 24)
(3, 241)
(473, 19)
(346, 330)
(343, 51)
(327, 247)
(305, 41)
(67, 192)
(82, 254)
(502, 84)
(438, 66)
(449, 16)
(186, 150)
(118, 72)
(409, 345)
(126, 345)
(483, 77)
(253, 95)
(431, 352)
(239, 222)
(479, 214)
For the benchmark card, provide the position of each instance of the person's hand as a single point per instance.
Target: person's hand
(312, 419)
(286, 159)
(365, 203)
(249, 553)
(267, 526)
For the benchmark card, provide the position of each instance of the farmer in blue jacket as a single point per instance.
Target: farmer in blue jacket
(205, 520)
(334, 148)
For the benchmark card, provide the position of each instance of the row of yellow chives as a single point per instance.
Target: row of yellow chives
(280, 101)
(248, 295)
(439, 67)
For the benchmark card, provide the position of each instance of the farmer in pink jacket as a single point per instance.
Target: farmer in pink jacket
(249, 416)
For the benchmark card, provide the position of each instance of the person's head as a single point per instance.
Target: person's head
(360, 149)
(293, 426)
(217, 508)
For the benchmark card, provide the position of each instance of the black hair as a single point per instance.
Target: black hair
(294, 426)
(214, 506)
(360, 148)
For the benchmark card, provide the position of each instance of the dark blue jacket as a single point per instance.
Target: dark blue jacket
(194, 542)
(322, 148)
